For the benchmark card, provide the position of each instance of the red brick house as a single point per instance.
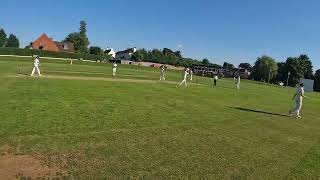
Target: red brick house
(46, 43)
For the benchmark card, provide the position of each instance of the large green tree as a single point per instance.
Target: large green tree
(227, 65)
(298, 67)
(178, 54)
(295, 68)
(205, 61)
(306, 64)
(246, 66)
(13, 41)
(167, 51)
(79, 39)
(140, 55)
(96, 50)
(264, 68)
(3, 37)
(282, 72)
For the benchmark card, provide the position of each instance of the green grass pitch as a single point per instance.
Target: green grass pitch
(134, 127)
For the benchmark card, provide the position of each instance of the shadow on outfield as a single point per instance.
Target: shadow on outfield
(257, 111)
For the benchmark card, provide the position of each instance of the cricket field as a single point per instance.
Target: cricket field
(77, 122)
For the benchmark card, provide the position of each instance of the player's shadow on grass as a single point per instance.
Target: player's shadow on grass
(257, 111)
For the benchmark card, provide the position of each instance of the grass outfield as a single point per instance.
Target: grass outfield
(96, 129)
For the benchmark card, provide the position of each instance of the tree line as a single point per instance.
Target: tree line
(175, 58)
(265, 68)
(168, 56)
(289, 72)
(11, 41)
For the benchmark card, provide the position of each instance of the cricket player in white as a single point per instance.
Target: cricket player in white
(114, 69)
(215, 79)
(36, 63)
(191, 74)
(298, 97)
(238, 83)
(186, 72)
(162, 74)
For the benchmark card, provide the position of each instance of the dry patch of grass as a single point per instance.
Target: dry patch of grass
(15, 166)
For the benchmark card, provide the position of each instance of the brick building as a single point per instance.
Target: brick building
(46, 43)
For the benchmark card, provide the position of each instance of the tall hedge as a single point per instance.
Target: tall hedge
(30, 52)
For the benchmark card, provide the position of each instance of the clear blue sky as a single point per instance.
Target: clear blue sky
(220, 30)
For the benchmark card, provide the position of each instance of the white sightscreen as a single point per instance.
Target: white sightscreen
(308, 84)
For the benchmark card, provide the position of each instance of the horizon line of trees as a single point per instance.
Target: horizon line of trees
(168, 56)
(265, 68)
(290, 72)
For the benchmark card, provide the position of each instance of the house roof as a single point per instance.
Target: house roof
(65, 46)
(107, 51)
(130, 50)
(44, 35)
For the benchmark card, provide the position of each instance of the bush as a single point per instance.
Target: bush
(41, 53)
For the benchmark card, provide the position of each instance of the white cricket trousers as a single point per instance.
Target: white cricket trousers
(114, 70)
(297, 109)
(34, 69)
(162, 77)
(184, 81)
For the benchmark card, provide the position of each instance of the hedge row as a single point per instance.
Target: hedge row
(30, 52)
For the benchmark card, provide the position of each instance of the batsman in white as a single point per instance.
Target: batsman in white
(162, 74)
(36, 63)
(114, 69)
(238, 83)
(186, 72)
(298, 97)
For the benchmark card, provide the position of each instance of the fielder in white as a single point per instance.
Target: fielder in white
(238, 83)
(114, 69)
(186, 72)
(298, 97)
(162, 74)
(191, 74)
(36, 63)
(215, 80)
